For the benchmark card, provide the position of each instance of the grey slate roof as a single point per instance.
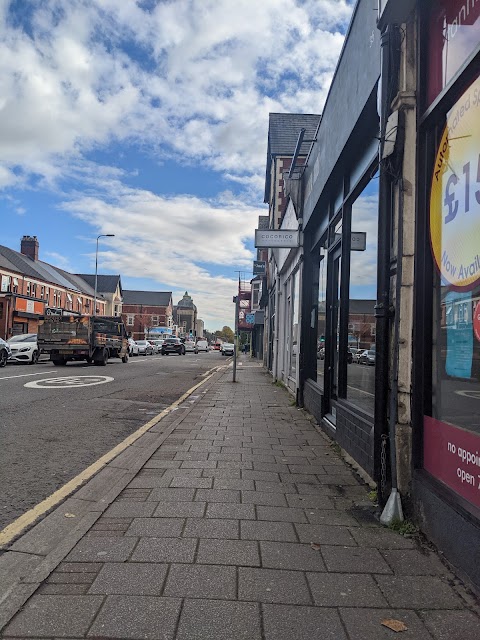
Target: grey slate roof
(147, 298)
(283, 131)
(360, 307)
(105, 284)
(16, 261)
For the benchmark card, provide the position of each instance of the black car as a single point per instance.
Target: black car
(173, 345)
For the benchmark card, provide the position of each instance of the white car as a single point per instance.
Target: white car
(132, 347)
(202, 345)
(157, 345)
(227, 349)
(190, 346)
(24, 348)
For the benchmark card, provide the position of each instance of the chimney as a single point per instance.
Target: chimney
(29, 247)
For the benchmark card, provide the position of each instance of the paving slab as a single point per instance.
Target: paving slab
(451, 625)
(137, 617)
(107, 549)
(366, 624)
(55, 616)
(289, 555)
(418, 592)
(196, 580)
(130, 578)
(284, 622)
(273, 585)
(165, 550)
(345, 590)
(229, 552)
(216, 620)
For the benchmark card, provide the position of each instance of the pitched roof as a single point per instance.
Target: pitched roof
(105, 284)
(362, 307)
(283, 131)
(16, 261)
(147, 298)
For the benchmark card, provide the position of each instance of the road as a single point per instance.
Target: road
(51, 430)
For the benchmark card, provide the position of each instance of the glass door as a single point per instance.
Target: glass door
(332, 342)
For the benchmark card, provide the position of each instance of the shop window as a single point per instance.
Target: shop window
(362, 298)
(295, 310)
(321, 317)
(452, 427)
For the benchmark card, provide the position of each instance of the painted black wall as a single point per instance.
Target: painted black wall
(356, 75)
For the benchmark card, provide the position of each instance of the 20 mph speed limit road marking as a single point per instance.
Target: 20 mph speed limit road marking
(68, 382)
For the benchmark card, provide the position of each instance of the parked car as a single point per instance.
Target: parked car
(24, 348)
(356, 353)
(367, 357)
(5, 352)
(133, 348)
(202, 345)
(145, 348)
(173, 345)
(190, 346)
(227, 349)
(157, 344)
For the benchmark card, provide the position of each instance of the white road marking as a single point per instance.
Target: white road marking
(25, 375)
(68, 382)
(469, 393)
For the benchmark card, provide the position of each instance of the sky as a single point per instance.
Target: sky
(148, 119)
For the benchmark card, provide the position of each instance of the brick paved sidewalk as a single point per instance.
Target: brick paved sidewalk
(212, 540)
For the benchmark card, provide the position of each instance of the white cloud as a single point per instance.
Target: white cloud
(59, 260)
(178, 242)
(194, 79)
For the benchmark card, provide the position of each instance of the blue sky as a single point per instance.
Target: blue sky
(148, 119)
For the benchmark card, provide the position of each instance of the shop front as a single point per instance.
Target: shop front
(20, 314)
(340, 218)
(447, 284)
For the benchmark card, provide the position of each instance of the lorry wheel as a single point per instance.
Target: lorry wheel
(89, 360)
(102, 361)
(125, 358)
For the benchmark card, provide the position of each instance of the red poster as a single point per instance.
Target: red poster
(453, 456)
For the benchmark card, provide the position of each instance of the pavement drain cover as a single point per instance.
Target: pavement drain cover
(69, 382)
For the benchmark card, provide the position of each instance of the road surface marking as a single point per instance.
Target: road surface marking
(68, 382)
(25, 375)
(15, 528)
(469, 393)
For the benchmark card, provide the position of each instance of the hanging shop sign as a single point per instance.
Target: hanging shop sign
(259, 267)
(286, 239)
(455, 194)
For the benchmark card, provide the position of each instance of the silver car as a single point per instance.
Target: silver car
(5, 352)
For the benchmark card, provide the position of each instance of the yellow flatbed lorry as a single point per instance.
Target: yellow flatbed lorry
(94, 339)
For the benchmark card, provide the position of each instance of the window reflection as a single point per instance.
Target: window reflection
(321, 317)
(363, 290)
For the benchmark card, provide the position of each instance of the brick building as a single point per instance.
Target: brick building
(31, 288)
(143, 311)
(109, 288)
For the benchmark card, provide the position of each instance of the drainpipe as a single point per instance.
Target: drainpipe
(393, 508)
(383, 284)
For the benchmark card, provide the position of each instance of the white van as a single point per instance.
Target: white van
(202, 345)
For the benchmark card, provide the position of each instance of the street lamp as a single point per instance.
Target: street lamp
(102, 235)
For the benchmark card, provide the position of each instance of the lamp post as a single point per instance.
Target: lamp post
(102, 235)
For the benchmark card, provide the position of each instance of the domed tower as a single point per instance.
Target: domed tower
(186, 316)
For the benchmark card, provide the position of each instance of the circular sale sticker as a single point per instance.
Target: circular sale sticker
(455, 194)
(476, 321)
